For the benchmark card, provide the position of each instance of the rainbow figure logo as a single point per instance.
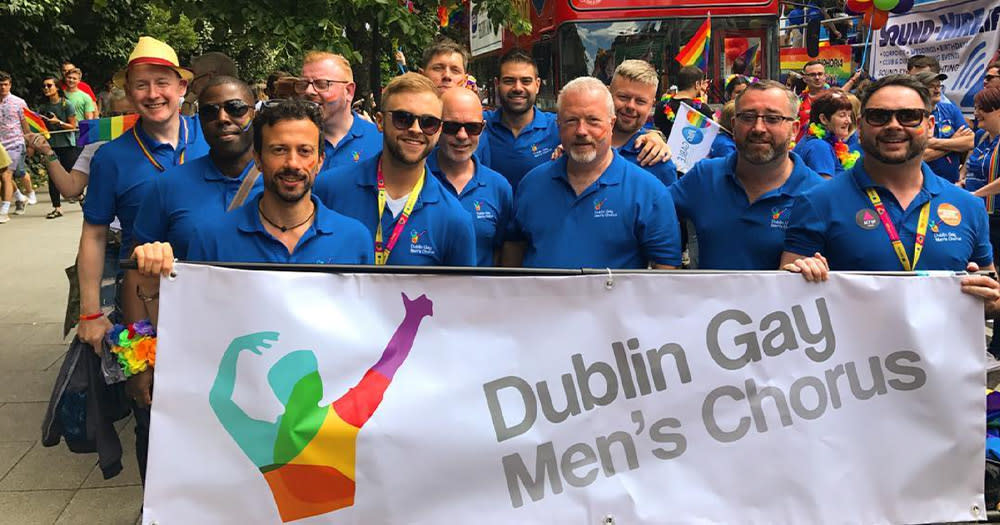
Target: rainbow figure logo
(776, 213)
(934, 226)
(415, 236)
(355, 156)
(477, 205)
(697, 120)
(307, 455)
(598, 204)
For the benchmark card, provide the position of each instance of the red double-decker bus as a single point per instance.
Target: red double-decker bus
(572, 38)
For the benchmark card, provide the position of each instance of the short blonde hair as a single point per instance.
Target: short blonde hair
(319, 56)
(408, 83)
(728, 114)
(638, 71)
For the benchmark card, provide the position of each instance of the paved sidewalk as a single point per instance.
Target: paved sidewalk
(40, 485)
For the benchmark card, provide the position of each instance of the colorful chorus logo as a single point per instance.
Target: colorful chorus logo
(307, 456)
(415, 236)
(598, 204)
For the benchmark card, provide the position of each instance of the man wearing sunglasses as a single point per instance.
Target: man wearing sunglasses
(485, 194)
(412, 218)
(891, 212)
(201, 191)
(591, 208)
(992, 76)
(327, 79)
(740, 204)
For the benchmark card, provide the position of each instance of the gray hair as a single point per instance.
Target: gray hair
(638, 71)
(767, 85)
(586, 84)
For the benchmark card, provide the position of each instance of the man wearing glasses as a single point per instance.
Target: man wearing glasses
(814, 74)
(199, 192)
(485, 194)
(891, 212)
(992, 77)
(952, 138)
(740, 204)
(412, 218)
(591, 208)
(327, 79)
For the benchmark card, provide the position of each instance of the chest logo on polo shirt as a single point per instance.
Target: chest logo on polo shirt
(949, 214)
(416, 244)
(482, 212)
(942, 236)
(866, 218)
(537, 152)
(600, 211)
(779, 217)
(355, 156)
(946, 128)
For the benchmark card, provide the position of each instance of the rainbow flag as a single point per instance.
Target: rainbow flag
(750, 57)
(36, 123)
(698, 120)
(695, 52)
(108, 128)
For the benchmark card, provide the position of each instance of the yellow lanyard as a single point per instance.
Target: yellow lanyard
(149, 155)
(382, 252)
(897, 244)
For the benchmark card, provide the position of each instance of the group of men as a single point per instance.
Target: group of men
(435, 180)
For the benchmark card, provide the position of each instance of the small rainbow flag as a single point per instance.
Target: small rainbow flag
(992, 172)
(695, 52)
(36, 123)
(108, 128)
(697, 119)
(750, 57)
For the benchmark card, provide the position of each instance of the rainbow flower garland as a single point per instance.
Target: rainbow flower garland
(845, 156)
(669, 111)
(134, 345)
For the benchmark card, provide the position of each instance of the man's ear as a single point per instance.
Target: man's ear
(379, 122)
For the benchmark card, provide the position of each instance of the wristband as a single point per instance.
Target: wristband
(91, 317)
(134, 345)
(51, 157)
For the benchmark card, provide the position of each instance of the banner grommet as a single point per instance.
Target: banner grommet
(609, 284)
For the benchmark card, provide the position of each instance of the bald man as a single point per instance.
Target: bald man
(484, 193)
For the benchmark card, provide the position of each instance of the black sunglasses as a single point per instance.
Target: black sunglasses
(907, 117)
(403, 120)
(449, 127)
(987, 78)
(234, 108)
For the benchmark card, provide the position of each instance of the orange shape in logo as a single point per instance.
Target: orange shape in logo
(949, 214)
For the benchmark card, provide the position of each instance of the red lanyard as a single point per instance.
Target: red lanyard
(382, 252)
(890, 228)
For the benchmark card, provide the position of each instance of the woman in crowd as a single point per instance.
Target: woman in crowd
(723, 144)
(59, 116)
(824, 147)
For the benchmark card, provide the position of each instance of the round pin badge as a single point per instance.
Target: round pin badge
(949, 214)
(866, 218)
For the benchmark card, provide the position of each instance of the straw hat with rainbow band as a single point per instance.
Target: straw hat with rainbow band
(152, 51)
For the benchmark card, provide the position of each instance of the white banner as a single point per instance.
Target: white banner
(691, 137)
(962, 35)
(484, 35)
(662, 399)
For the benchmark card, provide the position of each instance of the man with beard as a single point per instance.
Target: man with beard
(521, 136)
(393, 193)
(891, 212)
(633, 88)
(591, 208)
(740, 204)
(327, 79)
(484, 193)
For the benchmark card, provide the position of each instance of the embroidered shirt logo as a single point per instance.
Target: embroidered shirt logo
(601, 210)
(482, 212)
(417, 246)
(779, 217)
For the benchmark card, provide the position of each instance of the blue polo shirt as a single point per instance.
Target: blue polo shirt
(363, 141)
(665, 172)
(983, 161)
(439, 231)
(120, 174)
(184, 198)
(948, 119)
(514, 156)
(488, 199)
(733, 233)
(240, 237)
(623, 220)
(838, 220)
(818, 154)
(722, 146)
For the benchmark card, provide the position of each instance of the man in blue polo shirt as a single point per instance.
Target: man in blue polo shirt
(484, 193)
(201, 191)
(952, 138)
(633, 88)
(327, 79)
(413, 219)
(740, 204)
(591, 208)
(521, 136)
(891, 197)
(121, 173)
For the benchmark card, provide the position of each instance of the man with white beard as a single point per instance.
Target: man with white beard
(591, 208)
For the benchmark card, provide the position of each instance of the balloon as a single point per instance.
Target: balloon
(903, 6)
(858, 7)
(885, 5)
(876, 18)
